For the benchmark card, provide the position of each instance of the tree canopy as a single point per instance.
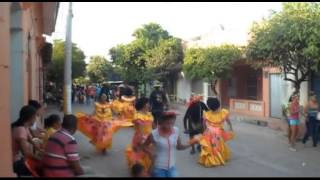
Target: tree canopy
(151, 54)
(56, 69)
(288, 39)
(100, 69)
(210, 63)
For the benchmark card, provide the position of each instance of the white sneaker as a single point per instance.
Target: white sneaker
(292, 149)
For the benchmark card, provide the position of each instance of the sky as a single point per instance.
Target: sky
(99, 26)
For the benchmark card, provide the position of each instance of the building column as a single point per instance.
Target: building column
(5, 68)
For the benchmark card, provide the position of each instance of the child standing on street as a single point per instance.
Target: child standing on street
(166, 140)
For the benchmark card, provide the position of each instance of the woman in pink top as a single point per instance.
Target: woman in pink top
(294, 121)
(22, 140)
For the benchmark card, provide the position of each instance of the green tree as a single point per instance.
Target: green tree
(165, 58)
(288, 39)
(82, 80)
(153, 54)
(99, 70)
(129, 59)
(211, 63)
(56, 69)
(150, 35)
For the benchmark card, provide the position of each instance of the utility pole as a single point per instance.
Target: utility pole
(68, 64)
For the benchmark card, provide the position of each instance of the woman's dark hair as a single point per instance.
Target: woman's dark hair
(213, 103)
(51, 120)
(167, 115)
(34, 104)
(127, 92)
(291, 97)
(26, 113)
(141, 103)
(137, 169)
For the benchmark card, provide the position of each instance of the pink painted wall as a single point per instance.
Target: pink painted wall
(32, 71)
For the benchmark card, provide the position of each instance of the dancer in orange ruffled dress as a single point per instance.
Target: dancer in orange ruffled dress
(214, 151)
(143, 121)
(123, 107)
(100, 126)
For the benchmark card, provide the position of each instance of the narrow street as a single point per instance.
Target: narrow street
(256, 152)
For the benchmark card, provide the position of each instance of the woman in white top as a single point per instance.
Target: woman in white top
(166, 141)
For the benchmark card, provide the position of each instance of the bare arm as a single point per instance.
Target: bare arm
(25, 148)
(181, 146)
(147, 142)
(76, 167)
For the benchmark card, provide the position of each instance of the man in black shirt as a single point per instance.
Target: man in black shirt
(158, 101)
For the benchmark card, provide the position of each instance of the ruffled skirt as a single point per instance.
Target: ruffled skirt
(214, 150)
(99, 131)
(138, 155)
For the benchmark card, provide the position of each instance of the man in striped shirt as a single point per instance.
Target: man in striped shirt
(61, 157)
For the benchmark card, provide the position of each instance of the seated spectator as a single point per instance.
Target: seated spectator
(22, 140)
(61, 157)
(51, 124)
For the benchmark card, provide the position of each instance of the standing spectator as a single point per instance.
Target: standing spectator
(98, 91)
(294, 121)
(166, 140)
(73, 94)
(158, 101)
(105, 90)
(92, 93)
(81, 94)
(22, 140)
(311, 111)
(87, 92)
(62, 158)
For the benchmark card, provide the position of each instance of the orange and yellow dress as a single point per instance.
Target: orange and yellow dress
(143, 127)
(100, 127)
(214, 151)
(116, 106)
(125, 110)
